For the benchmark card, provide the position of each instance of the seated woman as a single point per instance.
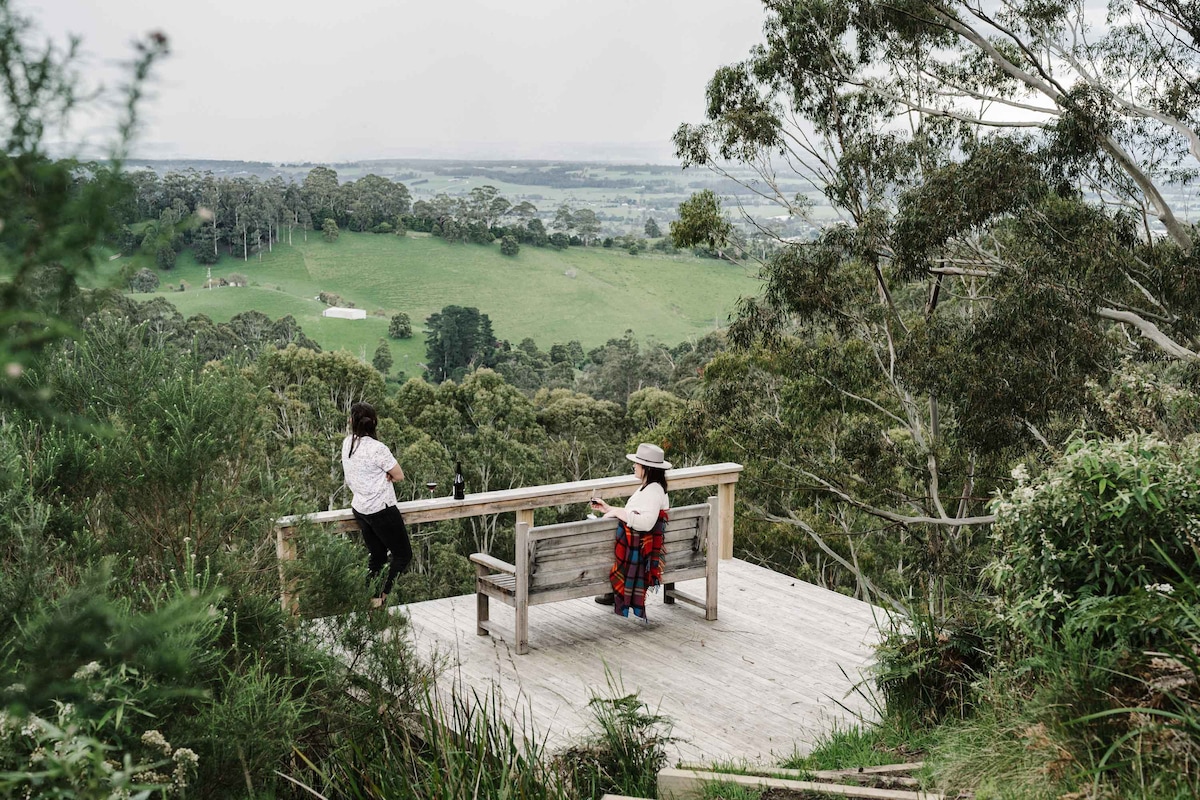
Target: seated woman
(639, 544)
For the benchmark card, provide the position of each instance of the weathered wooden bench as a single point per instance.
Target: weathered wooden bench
(573, 559)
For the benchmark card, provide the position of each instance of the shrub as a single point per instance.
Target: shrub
(68, 754)
(382, 360)
(331, 299)
(143, 281)
(1111, 522)
(253, 721)
(329, 230)
(509, 246)
(164, 257)
(625, 751)
(400, 327)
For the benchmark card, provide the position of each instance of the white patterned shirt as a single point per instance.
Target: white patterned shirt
(366, 474)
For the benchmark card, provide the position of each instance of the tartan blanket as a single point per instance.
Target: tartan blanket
(638, 566)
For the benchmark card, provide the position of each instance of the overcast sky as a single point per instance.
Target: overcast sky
(277, 80)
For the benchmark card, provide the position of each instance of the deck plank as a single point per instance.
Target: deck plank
(760, 683)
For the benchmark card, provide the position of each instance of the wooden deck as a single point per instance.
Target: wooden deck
(758, 684)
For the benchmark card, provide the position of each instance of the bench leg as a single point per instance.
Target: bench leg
(481, 604)
(522, 628)
(669, 594)
(481, 613)
(710, 597)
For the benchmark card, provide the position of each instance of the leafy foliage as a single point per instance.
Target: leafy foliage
(400, 326)
(456, 339)
(1111, 525)
(625, 751)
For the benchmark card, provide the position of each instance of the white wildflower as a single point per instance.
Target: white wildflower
(1160, 588)
(156, 740)
(185, 761)
(88, 670)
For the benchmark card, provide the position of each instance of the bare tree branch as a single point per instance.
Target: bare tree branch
(1151, 331)
(796, 522)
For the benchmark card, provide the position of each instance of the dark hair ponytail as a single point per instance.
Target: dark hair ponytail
(362, 423)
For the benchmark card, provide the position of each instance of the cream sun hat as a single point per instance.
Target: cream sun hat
(649, 455)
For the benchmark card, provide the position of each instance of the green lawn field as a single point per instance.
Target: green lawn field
(588, 294)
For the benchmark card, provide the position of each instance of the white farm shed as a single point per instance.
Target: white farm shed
(345, 313)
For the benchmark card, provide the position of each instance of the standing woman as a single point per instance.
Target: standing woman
(639, 546)
(370, 470)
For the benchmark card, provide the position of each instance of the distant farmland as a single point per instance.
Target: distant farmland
(589, 294)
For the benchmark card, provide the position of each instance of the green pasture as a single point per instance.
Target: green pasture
(588, 294)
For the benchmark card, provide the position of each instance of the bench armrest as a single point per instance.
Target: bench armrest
(492, 563)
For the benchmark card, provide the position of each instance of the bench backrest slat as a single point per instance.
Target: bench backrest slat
(580, 554)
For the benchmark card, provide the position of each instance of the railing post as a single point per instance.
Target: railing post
(710, 563)
(285, 551)
(725, 518)
(481, 602)
(522, 586)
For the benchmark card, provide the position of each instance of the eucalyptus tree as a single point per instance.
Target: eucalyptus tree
(375, 200)
(481, 205)
(1008, 178)
(701, 223)
(320, 192)
(146, 193)
(209, 199)
(293, 206)
(457, 340)
(586, 225)
(564, 219)
(182, 187)
(269, 199)
(524, 211)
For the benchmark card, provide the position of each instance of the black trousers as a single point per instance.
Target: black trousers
(387, 542)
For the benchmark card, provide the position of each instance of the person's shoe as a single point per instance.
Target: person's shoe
(379, 602)
(605, 599)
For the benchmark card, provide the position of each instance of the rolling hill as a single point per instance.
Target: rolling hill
(589, 294)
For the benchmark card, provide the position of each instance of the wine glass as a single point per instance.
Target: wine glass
(431, 486)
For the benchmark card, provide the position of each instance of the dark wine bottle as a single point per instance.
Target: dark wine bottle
(460, 485)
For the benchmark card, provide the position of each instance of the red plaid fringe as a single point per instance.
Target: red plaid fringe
(638, 566)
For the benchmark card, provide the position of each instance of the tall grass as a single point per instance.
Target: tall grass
(625, 750)
(464, 751)
(469, 749)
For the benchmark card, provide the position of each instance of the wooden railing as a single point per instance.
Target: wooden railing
(522, 501)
